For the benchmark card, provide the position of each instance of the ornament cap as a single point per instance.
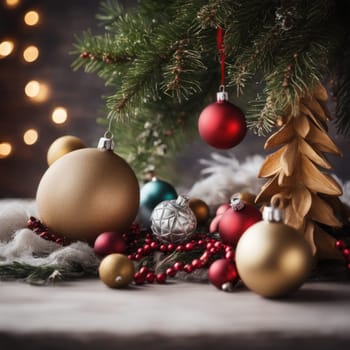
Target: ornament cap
(221, 96)
(182, 200)
(118, 279)
(236, 203)
(227, 287)
(105, 144)
(272, 214)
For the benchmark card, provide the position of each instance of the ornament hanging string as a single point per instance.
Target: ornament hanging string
(221, 49)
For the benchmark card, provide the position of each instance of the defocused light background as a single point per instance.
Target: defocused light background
(41, 98)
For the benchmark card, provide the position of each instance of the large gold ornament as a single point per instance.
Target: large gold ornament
(62, 146)
(87, 192)
(116, 270)
(273, 259)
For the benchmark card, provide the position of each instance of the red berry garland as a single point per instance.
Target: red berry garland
(205, 250)
(341, 245)
(198, 253)
(42, 231)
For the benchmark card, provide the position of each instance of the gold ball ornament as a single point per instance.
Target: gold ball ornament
(247, 197)
(200, 210)
(116, 271)
(273, 259)
(88, 191)
(62, 146)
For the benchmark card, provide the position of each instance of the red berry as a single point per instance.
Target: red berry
(218, 245)
(188, 268)
(147, 249)
(189, 246)
(161, 277)
(163, 248)
(144, 270)
(230, 255)
(197, 263)
(212, 250)
(150, 277)
(139, 278)
(171, 272)
(171, 247)
(209, 245)
(205, 256)
(137, 257)
(178, 266)
(200, 242)
(340, 244)
(154, 245)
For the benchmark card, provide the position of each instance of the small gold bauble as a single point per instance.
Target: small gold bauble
(200, 210)
(247, 197)
(273, 259)
(87, 192)
(116, 270)
(62, 146)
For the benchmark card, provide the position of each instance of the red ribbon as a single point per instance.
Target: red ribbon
(221, 49)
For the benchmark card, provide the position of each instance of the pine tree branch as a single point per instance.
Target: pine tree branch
(42, 274)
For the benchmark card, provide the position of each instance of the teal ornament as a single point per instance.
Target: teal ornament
(152, 193)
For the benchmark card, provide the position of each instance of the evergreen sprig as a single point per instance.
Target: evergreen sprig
(41, 274)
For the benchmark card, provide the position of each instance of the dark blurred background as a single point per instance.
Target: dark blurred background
(77, 92)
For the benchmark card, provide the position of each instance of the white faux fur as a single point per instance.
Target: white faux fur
(20, 244)
(224, 176)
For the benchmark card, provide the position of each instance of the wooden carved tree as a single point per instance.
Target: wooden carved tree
(296, 173)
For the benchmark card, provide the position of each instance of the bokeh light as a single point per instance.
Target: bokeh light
(30, 137)
(5, 149)
(6, 48)
(59, 115)
(31, 18)
(36, 91)
(12, 3)
(31, 53)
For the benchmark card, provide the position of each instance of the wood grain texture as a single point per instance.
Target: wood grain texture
(296, 172)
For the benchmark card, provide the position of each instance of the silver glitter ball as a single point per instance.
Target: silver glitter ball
(173, 221)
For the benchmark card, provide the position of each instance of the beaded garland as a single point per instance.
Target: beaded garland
(198, 253)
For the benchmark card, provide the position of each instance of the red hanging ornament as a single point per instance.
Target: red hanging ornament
(236, 220)
(223, 274)
(222, 124)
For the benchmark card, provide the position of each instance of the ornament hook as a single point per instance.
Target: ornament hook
(272, 214)
(236, 203)
(106, 142)
(182, 200)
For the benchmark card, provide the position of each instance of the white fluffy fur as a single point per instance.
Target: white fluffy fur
(224, 176)
(18, 243)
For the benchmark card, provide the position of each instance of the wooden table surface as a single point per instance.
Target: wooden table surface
(85, 314)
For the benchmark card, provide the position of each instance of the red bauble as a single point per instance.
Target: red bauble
(222, 271)
(236, 220)
(222, 125)
(214, 224)
(108, 243)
